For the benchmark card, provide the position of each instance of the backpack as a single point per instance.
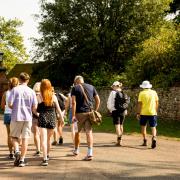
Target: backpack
(121, 101)
(61, 101)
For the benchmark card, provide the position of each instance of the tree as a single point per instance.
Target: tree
(96, 37)
(159, 59)
(11, 43)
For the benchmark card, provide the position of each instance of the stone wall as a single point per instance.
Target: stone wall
(169, 102)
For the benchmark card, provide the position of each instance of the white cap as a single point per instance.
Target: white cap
(117, 83)
(146, 85)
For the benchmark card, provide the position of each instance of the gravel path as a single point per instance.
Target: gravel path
(131, 161)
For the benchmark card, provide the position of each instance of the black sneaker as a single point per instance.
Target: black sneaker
(11, 156)
(144, 142)
(60, 140)
(47, 157)
(44, 163)
(153, 145)
(22, 163)
(17, 158)
(37, 153)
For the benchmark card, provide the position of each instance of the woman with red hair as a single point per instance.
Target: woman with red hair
(47, 108)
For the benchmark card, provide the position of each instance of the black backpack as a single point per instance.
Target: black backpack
(61, 101)
(121, 101)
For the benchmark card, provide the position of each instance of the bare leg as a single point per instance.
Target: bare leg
(122, 129)
(77, 140)
(24, 147)
(15, 142)
(143, 131)
(60, 131)
(37, 141)
(55, 134)
(49, 135)
(118, 130)
(73, 132)
(9, 140)
(154, 131)
(89, 137)
(43, 133)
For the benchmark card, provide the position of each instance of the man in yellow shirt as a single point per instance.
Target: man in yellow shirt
(147, 111)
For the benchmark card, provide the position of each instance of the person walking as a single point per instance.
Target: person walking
(117, 105)
(47, 108)
(68, 108)
(147, 109)
(13, 82)
(80, 112)
(23, 101)
(35, 128)
(58, 131)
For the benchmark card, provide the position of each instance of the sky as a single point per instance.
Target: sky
(22, 10)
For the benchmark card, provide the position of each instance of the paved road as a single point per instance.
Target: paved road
(128, 162)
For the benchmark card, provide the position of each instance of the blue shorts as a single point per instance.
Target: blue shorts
(152, 120)
(7, 119)
(70, 115)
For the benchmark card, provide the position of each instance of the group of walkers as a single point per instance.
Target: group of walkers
(40, 111)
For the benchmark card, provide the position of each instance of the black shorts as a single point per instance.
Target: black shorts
(118, 118)
(47, 120)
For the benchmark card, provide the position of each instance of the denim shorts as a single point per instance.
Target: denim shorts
(152, 120)
(70, 115)
(7, 119)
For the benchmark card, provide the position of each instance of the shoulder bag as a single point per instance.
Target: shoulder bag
(94, 116)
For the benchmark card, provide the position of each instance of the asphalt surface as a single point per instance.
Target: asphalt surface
(131, 161)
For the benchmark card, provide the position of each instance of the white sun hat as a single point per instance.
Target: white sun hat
(116, 83)
(146, 85)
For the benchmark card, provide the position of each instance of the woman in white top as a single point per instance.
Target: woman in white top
(7, 112)
(118, 117)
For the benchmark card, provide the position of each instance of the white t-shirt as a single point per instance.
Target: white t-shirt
(7, 110)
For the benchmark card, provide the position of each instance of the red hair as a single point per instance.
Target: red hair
(46, 92)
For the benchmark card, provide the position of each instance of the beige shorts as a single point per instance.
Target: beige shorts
(84, 122)
(20, 129)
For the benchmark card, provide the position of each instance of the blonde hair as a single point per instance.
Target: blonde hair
(46, 92)
(36, 86)
(13, 82)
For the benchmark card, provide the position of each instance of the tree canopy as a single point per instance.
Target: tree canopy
(159, 59)
(96, 38)
(11, 43)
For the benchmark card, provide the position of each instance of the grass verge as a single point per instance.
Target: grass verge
(131, 125)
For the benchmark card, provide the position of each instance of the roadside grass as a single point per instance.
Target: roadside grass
(131, 126)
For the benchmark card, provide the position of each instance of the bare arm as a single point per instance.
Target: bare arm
(97, 102)
(58, 109)
(63, 96)
(73, 108)
(139, 106)
(34, 110)
(67, 104)
(157, 105)
(3, 101)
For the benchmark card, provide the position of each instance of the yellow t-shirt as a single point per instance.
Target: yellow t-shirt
(148, 97)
